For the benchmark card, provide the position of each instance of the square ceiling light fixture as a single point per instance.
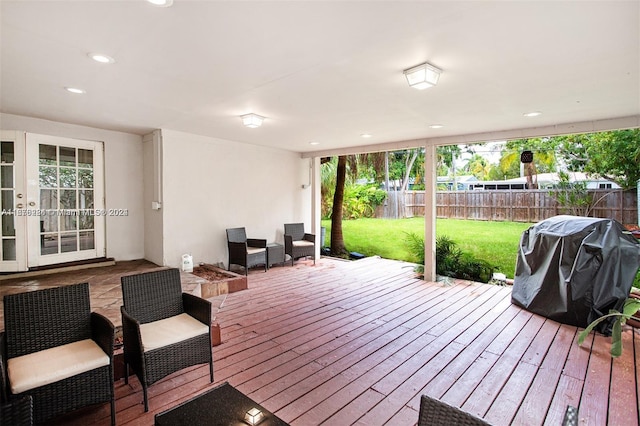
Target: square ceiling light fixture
(422, 76)
(252, 120)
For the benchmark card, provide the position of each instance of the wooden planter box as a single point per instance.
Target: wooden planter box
(219, 281)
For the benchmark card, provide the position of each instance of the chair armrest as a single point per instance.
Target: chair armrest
(102, 332)
(255, 242)
(131, 335)
(288, 244)
(197, 307)
(237, 250)
(309, 237)
(4, 380)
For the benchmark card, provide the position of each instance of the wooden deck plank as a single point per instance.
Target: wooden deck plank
(482, 397)
(538, 399)
(594, 402)
(623, 409)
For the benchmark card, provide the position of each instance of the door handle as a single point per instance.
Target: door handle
(19, 205)
(32, 203)
(19, 195)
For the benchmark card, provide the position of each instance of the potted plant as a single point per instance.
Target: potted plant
(631, 306)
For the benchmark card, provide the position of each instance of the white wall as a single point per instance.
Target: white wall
(123, 178)
(212, 184)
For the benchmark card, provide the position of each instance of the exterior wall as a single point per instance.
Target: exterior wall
(209, 185)
(123, 178)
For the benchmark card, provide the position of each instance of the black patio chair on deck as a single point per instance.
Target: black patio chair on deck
(164, 329)
(58, 352)
(246, 252)
(298, 243)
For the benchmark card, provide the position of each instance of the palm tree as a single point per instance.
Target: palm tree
(337, 238)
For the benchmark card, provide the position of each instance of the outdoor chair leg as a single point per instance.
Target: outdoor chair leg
(126, 373)
(113, 410)
(146, 401)
(211, 370)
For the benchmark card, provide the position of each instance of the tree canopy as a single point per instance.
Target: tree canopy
(613, 155)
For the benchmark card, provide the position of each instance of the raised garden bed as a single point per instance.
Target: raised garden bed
(219, 281)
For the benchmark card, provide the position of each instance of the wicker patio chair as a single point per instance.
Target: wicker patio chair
(57, 351)
(17, 412)
(164, 329)
(246, 252)
(438, 413)
(297, 243)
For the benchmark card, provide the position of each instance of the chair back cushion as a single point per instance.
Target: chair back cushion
(42, 319)
(236, 235)
(296, 230)
(152, 296)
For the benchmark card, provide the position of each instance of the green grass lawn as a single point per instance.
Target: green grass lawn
(495, 242)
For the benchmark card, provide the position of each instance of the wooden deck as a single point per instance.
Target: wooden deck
(343, 343)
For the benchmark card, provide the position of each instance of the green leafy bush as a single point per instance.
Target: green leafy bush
(415, 244)
(361, 201)
(450, 260)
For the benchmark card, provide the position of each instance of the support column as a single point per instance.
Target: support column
(316, 203)
(430, 184)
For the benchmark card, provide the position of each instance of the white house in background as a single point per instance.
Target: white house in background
(463, 183)
(545, 181)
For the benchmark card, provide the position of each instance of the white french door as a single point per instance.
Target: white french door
(52, 199)
(65, 188)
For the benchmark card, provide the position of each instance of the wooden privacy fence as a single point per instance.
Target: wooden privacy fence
(509, 205)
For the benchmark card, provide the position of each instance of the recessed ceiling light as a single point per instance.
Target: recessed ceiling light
(161, 3)
(436, 126)
(75, 90)
(365, 135)
(103, 59)
(532, 114)
(314, 143)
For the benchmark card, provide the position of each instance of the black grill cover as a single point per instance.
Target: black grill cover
(575, 269)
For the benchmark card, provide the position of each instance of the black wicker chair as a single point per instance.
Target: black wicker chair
(45, 320)
(297, 243)
(438, 413)
(246, 252)
(157, 296)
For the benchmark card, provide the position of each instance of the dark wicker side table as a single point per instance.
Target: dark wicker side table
(275, 254)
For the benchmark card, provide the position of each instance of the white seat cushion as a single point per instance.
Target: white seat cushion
(52, 365)
(302, 243)
(254, 250)
(159, 334)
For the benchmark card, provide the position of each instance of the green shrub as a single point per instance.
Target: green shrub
(361, 201)
(415, 244)
(450, 260)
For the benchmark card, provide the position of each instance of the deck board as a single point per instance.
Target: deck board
(343, 343)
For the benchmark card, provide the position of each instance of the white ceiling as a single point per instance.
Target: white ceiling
(321, 71)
